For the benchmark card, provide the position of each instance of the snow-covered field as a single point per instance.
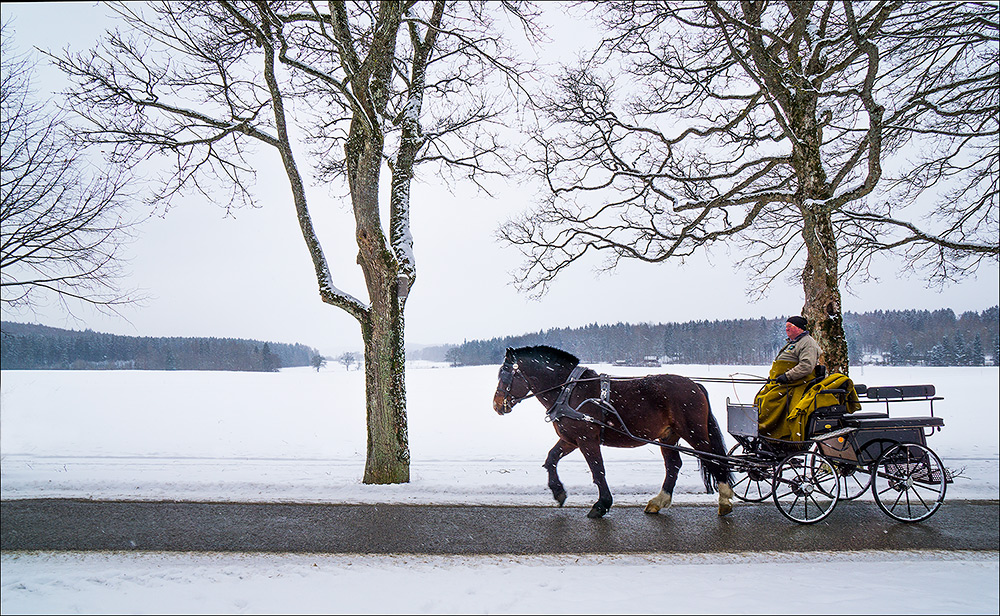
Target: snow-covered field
(299, 436)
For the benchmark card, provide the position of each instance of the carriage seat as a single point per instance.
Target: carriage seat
(869, 415)
(893, 422)
(826, 418)
(896, 393)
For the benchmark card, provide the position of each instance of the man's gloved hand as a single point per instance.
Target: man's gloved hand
(782, 378)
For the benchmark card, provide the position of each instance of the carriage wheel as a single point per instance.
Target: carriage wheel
(752, 484)
(909, 482)
(855, 479)
(806, 487)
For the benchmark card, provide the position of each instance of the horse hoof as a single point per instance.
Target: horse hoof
(597, 511)
(561, 498)
(725, 509)
(659, 502)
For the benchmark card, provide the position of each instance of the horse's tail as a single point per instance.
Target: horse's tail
(714, 472)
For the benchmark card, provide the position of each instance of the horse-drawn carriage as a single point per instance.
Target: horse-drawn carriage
(843, 456)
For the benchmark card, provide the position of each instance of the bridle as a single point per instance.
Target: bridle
(507, 372)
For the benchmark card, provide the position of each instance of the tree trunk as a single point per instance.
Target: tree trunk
(822, 307)
(388, 457)
(820, 275)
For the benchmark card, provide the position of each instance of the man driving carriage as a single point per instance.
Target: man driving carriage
(784, 403)
(798, 359)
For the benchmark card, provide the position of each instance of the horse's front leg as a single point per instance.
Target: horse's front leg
(560, 451)
(591, 450)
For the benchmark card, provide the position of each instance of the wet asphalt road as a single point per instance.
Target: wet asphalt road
(419, 529)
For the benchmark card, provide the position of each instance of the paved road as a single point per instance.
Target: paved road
(393, 529)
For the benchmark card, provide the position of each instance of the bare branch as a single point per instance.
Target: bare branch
(63, 222)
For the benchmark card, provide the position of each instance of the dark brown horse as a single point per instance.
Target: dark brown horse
(662, 408)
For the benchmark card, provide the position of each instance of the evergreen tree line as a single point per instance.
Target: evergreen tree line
(36, 347)
(891, 337)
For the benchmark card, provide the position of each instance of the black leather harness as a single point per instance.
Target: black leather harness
(562, 408)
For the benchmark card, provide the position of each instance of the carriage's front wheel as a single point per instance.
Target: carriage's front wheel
(854, 480)
(751, 482)
(805, 487)
(909, 482)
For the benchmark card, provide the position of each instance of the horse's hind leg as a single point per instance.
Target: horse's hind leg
(725, 499)
(672, 461)
(592, 453)
(561, 449)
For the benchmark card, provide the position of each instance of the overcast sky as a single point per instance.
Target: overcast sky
(249, 275)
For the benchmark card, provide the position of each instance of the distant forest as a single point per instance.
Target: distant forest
(36, 347)
(907, 337)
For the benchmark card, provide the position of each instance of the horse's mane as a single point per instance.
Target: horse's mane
(547, 353)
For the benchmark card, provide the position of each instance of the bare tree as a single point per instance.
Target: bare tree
(814, 135)
(347, 359)
(366, 85)
(61, 220)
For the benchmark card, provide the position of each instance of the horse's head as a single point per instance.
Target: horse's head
(512, 387)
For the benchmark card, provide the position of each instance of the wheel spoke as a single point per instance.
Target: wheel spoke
(917, 496)
(895, 503)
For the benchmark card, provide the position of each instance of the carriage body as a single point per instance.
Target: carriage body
(846, 455)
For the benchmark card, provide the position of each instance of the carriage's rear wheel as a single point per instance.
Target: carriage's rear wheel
(909, 482)
(855, 479)
(806, 487)
(751, 483)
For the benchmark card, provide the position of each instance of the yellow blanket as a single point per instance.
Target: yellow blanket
(784, 410)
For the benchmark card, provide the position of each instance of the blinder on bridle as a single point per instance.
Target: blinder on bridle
(507, 371)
